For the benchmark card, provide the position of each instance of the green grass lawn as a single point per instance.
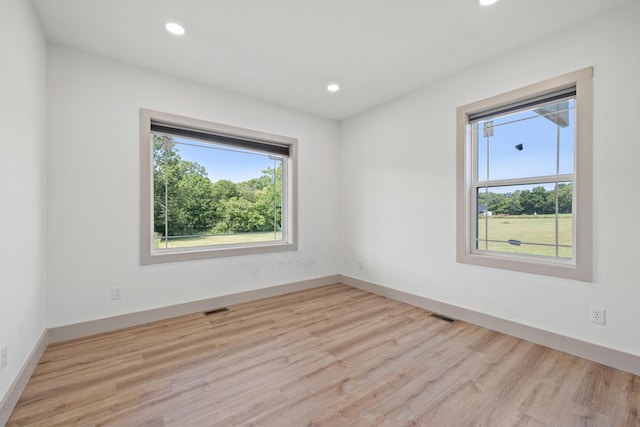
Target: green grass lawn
(220, 239)
(539, 229)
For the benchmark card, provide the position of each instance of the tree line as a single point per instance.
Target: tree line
(527, 202)
(186, 202)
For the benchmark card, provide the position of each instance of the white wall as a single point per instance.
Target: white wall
(22, 185)
(94, 191)
(398, 189)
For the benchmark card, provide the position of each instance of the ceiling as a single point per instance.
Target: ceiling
(287, 51)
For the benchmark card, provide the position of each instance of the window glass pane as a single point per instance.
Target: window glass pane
(206, 194)
(526, 219)
(482, 216)
(535, 142)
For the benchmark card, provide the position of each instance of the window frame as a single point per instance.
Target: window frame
(289, 202)
(579, 267)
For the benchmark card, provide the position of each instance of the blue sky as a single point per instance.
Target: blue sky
(223, 162)
(537, 155)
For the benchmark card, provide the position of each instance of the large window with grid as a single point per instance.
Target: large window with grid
(212, 190)
(524, 179)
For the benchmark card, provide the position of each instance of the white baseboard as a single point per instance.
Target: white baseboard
(594, 352)
(15, 391)
(92, 327)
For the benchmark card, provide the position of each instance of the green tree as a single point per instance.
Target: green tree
(224, 189)
(514, 207)
(536, 201)
(195, 196)
(182, 192)
(269, 198)
(565, 198)
(249, 206)
(237, 215)
(497, 203)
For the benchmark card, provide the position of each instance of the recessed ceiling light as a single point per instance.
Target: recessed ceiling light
(486, 2)
(333, 87)
(174, 28)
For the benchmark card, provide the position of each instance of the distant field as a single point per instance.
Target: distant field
(527, 229)
(221, 239)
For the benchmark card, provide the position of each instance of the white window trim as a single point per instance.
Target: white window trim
(290, 210)
(580, 268)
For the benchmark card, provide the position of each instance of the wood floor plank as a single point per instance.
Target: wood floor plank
(329, 356)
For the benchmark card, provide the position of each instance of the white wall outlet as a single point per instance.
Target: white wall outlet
(598, 315)
(360, 265)
(3, 358)
(115, 292)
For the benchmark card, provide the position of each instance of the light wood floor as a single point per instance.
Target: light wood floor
(331, 356)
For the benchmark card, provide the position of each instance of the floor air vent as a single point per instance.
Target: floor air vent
(441, 317)
(217, 310)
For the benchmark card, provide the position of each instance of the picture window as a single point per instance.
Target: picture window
(211, 190)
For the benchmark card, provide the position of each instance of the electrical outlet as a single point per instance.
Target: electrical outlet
(115, 292)
(360, 265)
(3, 358)
(598, 315)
